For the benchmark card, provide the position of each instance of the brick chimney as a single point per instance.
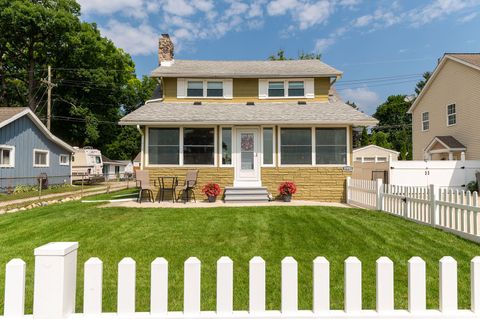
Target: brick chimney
(165, 50)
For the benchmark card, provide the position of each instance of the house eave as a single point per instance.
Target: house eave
(329, 123)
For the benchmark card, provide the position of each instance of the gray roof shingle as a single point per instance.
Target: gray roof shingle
(239, 113)
(8, 112)
(450, 141)
(246, 69)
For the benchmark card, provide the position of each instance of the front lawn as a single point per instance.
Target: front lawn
(241, 233)
(34, 193)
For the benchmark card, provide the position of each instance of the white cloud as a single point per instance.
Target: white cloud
(279, 7)
(132, 8)
(366, 99)
(178, 7)
(469, 17)
(311, 14)
(322, 44)
(136, 40)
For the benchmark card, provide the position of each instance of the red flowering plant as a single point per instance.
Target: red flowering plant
(287, 188)
(211, 189)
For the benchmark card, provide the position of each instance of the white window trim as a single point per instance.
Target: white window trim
(220, 150)
(35, 150)
(313, 162)
(60, 160)
(448, 115)
(308, 88)
(12, 156)
(274, 142)
(227, 87)
(181, 127)
(427, 121)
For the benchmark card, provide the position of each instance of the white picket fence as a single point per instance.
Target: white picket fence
(55, 280)
(451, 210)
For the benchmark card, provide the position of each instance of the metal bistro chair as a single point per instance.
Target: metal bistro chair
(143, 181)
(189, 186)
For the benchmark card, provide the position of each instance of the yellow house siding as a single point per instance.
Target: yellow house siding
(458, 84)
(245, 90)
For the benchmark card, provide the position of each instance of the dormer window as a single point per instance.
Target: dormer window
(276, 89)
(286, 88)
(205, 88)
(195, 89)
(296, 88)
(214, 89)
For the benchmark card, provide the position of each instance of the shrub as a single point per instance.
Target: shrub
(211, 189)
(472, 186)
(287, 188)
(25, 189)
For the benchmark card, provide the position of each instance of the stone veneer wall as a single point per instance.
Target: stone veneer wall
(326, 184)
(314, 183)
(223, 176)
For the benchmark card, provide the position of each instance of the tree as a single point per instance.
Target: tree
(422, 82)
(395, 122)
(280, 56)
(365, 140)
(96, 81)
(381, 139)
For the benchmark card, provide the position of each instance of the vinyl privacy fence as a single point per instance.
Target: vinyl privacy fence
(55, 288)
(451, 210)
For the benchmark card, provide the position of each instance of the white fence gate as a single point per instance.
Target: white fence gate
(451, 210)
(452, 174)
(56, 276)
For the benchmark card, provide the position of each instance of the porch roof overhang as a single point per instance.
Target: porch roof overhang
(262, 113)
(447, 144)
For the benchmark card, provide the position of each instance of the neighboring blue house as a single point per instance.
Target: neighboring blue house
(28, 149)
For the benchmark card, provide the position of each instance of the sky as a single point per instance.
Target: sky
(382, 47)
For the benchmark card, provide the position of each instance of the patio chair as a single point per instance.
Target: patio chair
(143, 181)
(189, 186)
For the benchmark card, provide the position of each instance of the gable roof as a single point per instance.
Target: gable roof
(246, 69)
(450, 143)
(376, 147)
(157, 113)
(471, 60)
(11, 114)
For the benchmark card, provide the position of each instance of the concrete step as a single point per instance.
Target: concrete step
(246, 194)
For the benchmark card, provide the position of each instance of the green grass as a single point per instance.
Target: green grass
(241, 233)
(131, 192)
(34, 194)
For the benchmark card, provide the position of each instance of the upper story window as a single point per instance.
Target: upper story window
(195, 89)
(296, 88)
(451, 114)
(425, 121)
(205, 88)
(214, 89)
(7, 156)
(276, 89)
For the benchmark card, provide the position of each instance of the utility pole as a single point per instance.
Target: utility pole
(50, 86)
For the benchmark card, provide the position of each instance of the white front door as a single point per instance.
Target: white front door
(247, 158)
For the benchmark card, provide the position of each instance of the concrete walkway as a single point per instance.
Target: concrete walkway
(220, 203)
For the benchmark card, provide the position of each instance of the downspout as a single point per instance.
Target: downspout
(142, 160)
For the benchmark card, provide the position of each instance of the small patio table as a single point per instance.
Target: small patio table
(168, 183)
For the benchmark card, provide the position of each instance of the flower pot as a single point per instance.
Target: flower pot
(212, 199)
(287, 198)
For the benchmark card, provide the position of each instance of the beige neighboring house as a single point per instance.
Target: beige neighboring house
(371, 162)
(446, 114)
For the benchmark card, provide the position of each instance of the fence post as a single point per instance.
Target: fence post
(379, 193)
(14, 306)
(55, 280)
(348, 182)
(433, 205)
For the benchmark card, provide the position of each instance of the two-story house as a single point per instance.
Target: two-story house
(249, 125)
(446, 114)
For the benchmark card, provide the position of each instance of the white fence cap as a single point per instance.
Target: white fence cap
(56, 249)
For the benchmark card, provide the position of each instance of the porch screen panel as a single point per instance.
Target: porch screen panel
(226, 146)
(198, 146)
(164, 146)
(268, 146)
(296, 146)
(331, 146)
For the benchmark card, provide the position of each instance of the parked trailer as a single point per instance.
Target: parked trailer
(87, 165)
